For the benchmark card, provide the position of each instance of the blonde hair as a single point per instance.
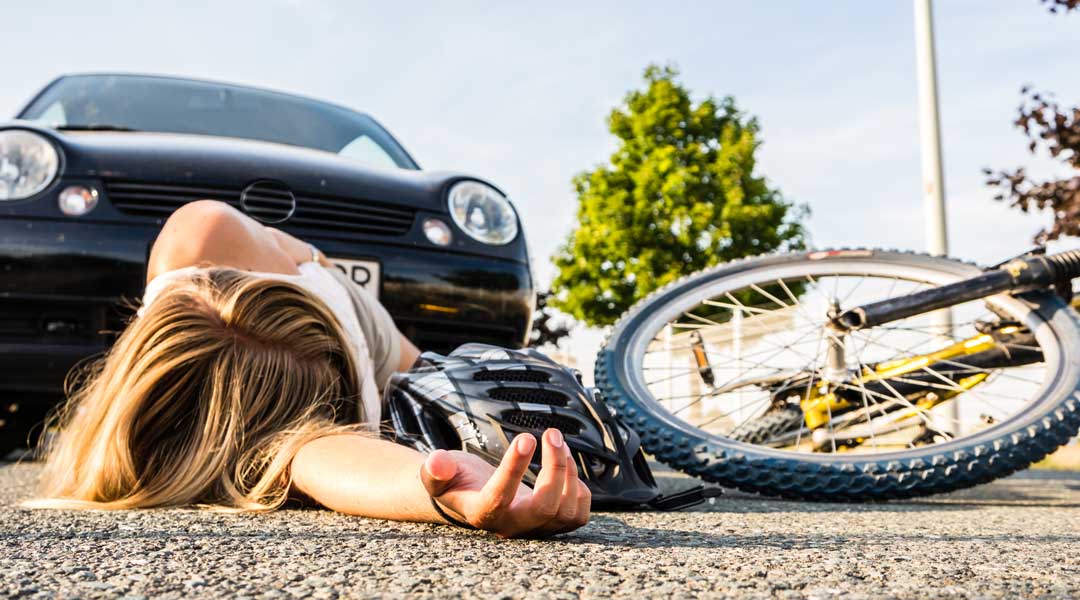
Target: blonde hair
(204, 400)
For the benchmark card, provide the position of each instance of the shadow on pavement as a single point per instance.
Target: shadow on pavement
(1029, 488)
(610, 531)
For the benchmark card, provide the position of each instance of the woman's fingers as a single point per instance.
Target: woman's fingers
(584, 504)
(584, 509)
(500, 489)
(551, 480)
(569, 505)
(576, 502)
(438, 472)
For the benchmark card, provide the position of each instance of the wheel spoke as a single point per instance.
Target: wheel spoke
(764, 343)
(776, 350)
(759, 290)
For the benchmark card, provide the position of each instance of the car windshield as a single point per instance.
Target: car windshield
(160, 104)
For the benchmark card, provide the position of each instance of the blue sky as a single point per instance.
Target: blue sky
(519, 94)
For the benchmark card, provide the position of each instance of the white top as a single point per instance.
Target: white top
(316, 279)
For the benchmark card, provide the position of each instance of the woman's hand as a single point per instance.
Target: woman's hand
(494, 499)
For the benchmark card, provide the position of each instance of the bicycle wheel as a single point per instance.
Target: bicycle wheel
(709, 369)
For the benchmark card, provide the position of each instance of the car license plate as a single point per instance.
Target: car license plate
(364, 273)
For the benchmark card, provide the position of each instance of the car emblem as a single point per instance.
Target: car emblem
(268, 202)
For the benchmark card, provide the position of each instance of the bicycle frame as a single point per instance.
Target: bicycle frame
(1019, 275)
(1031, 272)
(818, 406)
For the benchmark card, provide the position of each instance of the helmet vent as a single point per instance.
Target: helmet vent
(528, 395)
(539, 421)
(511, 375)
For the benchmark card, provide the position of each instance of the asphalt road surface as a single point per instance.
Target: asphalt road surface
(1019, 537)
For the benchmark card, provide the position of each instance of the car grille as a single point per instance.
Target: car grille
(268, 201)
(319, 212)
(159, 201)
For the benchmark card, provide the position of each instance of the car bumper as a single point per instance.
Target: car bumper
(67, 289)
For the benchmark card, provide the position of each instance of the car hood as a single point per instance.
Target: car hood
(197, 159)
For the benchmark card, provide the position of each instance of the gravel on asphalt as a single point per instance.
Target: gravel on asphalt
(1018, 537)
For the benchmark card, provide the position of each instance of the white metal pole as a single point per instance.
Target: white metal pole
(933, 188)
(937, 242)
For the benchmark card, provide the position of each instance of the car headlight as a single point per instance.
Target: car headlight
(483, 213)
(28, 164)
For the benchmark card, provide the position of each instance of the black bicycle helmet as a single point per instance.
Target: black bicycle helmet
(479, 397)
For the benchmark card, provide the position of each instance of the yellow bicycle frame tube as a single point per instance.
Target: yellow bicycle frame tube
(819, 404)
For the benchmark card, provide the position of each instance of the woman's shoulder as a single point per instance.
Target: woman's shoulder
(162, 280)
(165, 278)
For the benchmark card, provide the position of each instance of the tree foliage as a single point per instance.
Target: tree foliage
(1055, 129)
(679, 194)
(1062, 5)
(548, 326)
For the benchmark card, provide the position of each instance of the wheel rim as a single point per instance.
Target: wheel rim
(785, 338)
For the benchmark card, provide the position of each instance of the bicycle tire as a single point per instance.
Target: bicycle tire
(769, 425)
(1050, 420)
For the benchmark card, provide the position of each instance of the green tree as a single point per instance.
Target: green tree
(678, 195)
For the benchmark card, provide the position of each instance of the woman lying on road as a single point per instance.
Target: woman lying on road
(250, 376)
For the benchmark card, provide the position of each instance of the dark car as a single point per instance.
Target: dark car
(94, 164)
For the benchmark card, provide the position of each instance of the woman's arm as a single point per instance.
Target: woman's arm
(409, 353)
(297, 249)
(209, 232)
(360, 475)
(364, 476)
